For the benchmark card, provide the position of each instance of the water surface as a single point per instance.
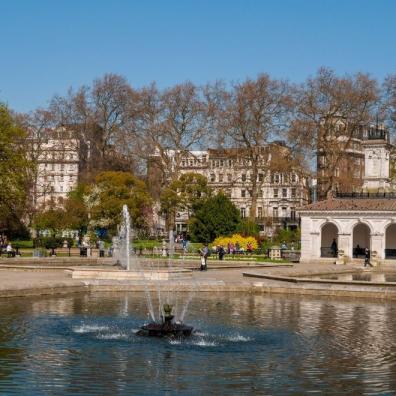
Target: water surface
(246, 344)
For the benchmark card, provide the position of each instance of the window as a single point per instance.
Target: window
(243, 212)
(284, 212)
(261, 177)
(275, 193)
(53, 167)
(293, 213)
(275, 212)
(229, 177)
(229, 162)
(260, 193)
(284, 192)
(183, 163)
(294, 178)
(221, 163)
(293, 193)
(62, 167)
(244, 177)
(260, 212)
(243, 193)
(61, 188)
(275, 178)
(212, 177)
(221, 178)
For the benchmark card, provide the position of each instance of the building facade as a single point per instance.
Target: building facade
(362, 164)
(57, 168)
(354, 222)
(279, 192)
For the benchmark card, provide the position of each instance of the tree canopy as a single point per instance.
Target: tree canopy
(107, 195)
(217, 216)
(14, 170)
(185, 194)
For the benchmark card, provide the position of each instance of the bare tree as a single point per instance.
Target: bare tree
(167, 125)
(330, 113)
(248, 117)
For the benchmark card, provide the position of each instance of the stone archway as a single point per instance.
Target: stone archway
(329, 233)
(390, 242)
(361, 239)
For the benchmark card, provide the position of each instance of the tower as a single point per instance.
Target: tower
(376, 148)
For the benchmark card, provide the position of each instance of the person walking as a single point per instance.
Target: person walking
(101, 246)
(204, 252)
(221, 252)
(367, 258)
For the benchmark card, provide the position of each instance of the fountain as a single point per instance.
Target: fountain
(159, 279)
(166, 327)
(129, 262)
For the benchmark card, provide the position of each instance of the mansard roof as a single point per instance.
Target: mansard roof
(379, 202)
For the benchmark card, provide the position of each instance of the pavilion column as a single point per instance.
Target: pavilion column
(345, 244)
(377, 244)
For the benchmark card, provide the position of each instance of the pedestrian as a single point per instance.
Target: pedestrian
(333, 248)
(101, 246)
(221, 252)
(9, 250)
(204, 253)
(367, 258)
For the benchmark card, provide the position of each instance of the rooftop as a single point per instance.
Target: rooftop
(355, 202)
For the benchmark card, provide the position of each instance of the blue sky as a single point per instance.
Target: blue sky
(48, 46)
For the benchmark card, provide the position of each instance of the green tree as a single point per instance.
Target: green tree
(110, 192)
(52, 220)
(216, 216)
(248, 227)
(76, 211)
(14, 170)
(185, 194)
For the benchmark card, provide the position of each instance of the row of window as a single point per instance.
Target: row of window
(60, 156)
(275, 212)
(276, 178)
(62, 167)
(277, 193)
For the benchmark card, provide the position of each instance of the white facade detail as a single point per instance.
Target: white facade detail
(353, 231)
(57, 169)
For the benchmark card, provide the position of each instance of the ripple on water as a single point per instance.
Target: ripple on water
(91, 328)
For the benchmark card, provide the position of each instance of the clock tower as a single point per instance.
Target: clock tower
(376, 158)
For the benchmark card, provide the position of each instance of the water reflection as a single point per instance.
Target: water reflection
(85, 344)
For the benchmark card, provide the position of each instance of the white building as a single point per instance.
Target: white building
(57, 168)
(355, 221)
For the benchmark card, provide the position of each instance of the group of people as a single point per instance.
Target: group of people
(237, 249)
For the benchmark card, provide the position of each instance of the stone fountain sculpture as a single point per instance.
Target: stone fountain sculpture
(166, 327)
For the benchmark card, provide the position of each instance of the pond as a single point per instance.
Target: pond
(84, 344)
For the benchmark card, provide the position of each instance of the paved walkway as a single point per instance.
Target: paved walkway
(24, 281)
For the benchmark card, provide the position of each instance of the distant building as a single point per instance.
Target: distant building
(57, 168)
(363, 164)
(228, 170)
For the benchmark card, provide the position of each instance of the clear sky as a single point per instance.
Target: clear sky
(50, 45)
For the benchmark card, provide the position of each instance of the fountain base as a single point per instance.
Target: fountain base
(165, 330)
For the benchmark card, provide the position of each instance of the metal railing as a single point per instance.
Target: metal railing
(366, 195)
